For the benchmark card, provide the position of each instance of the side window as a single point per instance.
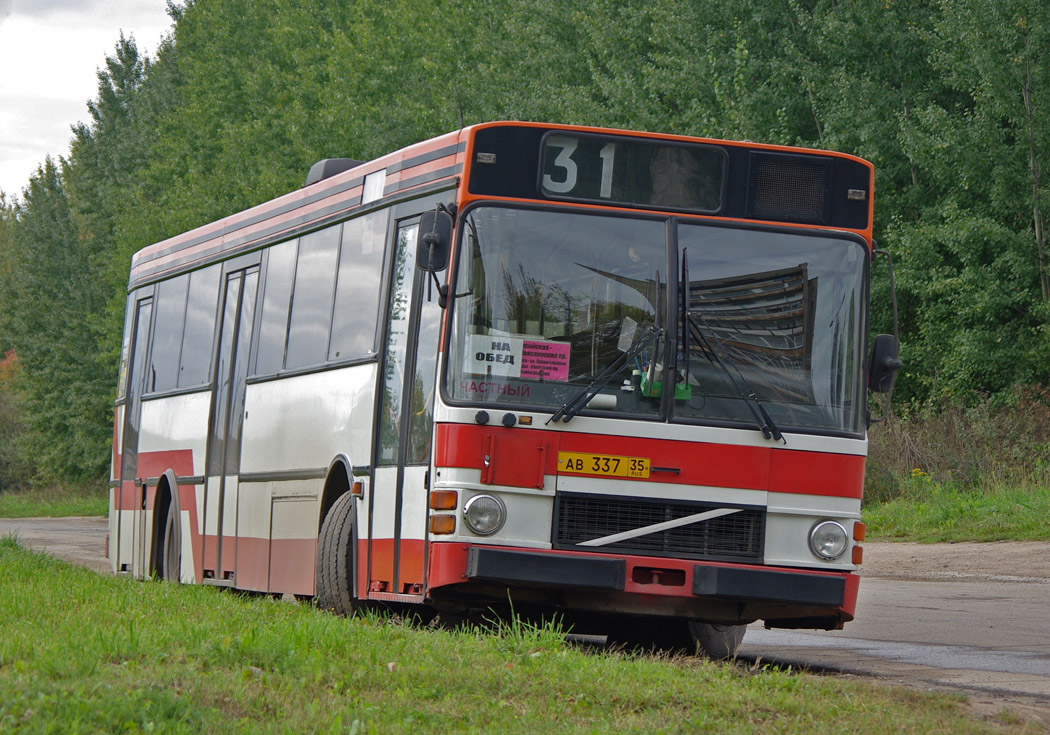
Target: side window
(195, 360)
(312, 297)
(357, 288)
(163, 371)
(277, 297)
(125, 346)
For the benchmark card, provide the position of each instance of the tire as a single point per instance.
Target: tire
(716, 641)
(334, 583)
(669, 636)
(711, 640)
(171, 546)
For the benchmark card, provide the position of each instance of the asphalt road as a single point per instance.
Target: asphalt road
(959, 618)
(990, 640)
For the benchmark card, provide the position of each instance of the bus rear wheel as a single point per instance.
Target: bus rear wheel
(167, 549)
(335, 558)
(171, 564)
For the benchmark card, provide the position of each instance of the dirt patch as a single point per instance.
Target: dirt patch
(997, 561)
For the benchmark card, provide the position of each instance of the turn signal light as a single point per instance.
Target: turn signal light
(442, 525)
(859, 529)
(858, 555)
(443, 500)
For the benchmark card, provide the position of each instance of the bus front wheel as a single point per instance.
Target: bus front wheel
(335, 558)
(716, 641)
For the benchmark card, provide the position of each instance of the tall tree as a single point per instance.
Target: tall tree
(59, 390)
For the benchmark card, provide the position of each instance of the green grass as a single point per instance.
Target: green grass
(54, 502)
(83, 653)
(929, 511)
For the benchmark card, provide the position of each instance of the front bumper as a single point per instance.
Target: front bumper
(720, 592)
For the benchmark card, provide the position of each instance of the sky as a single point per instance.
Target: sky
(50, 52)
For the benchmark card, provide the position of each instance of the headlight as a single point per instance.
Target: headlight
(484, 514)
(828, 540)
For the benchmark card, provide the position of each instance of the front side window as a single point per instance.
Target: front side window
(547, 302)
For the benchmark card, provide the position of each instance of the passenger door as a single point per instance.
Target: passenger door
(398, 502)
(225, 426)
(130, 494)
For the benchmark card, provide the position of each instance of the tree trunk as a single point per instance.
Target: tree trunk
(1038, 221)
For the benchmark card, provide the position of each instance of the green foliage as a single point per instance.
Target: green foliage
(948, 98)
(50, 299)
(13, 469)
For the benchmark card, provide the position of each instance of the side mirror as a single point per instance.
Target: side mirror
(435, 241)
(884, 363)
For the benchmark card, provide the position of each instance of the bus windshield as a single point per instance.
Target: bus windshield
(546, 302)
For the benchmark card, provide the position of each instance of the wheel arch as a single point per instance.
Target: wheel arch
(336, 573)
(338, 481)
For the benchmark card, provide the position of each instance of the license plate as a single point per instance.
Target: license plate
(608, 465)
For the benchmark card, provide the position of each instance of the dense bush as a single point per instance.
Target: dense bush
(984, 443)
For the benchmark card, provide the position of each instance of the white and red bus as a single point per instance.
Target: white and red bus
(614, 376)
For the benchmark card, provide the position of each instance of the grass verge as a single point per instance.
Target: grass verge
(930, 511)
(54, 502)
(82, 653)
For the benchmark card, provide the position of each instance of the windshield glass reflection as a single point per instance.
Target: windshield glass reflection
(547, 301)
(773, 318)
(552, 307)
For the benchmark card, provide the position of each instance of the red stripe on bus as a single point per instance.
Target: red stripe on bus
(150, 259)
(382, 565)
(677, 462)
(410, 564)
(253, 562)
(292, 565)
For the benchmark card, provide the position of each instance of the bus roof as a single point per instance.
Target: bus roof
(433, 164)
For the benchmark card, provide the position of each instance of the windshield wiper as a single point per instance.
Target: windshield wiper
(578, 401)
(747, 394)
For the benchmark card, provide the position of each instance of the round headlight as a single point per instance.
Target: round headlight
(484, 514)
(828, 540)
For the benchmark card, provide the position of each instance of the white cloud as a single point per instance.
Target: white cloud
(50, 52)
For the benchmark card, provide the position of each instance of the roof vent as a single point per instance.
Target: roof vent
(330, 167)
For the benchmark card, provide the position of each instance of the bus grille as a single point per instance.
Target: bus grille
(734, 537)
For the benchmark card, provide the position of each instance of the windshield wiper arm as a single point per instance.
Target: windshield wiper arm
(764, 422)
(578, 401)
(758, 411)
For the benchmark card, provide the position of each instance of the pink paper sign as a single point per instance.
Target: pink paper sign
(546, 360)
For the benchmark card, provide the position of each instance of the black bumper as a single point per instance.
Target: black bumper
(547, 570)
(543, 569)
(761, 585)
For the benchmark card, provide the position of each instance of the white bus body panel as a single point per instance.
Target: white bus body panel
(176, 423)
(305, 421)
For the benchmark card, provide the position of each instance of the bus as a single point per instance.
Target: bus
(615, 377)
